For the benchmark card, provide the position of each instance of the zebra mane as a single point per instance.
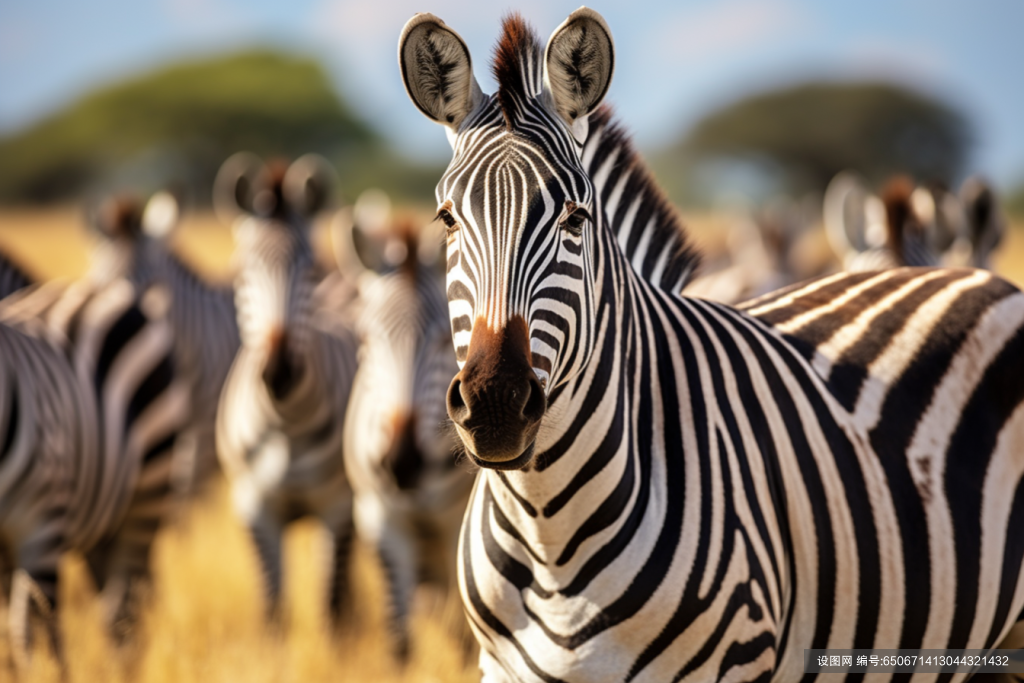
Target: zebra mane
(516, 66)
(646, 225)
(899, 213)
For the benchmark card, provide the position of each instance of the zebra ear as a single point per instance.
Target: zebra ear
(160, 217)
(578, 65)
(238, 182)
(984, 221)
(308, 184)
(358, 233)
(845, 214)
(437, 71)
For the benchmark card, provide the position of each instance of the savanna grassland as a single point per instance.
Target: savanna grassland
(204, 620)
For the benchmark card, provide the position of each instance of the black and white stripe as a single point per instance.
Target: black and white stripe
(122, 412)
(280, 419)
(400, 458)
(47, 420)
(133, 245)
(709, 491)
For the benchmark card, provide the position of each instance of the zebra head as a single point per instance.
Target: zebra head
(130, 236)
(275, 268)
(520, 214)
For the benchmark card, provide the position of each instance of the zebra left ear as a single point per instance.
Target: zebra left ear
(578, 65)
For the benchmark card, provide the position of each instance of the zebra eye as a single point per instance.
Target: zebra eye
(573, 223)
(451, 225)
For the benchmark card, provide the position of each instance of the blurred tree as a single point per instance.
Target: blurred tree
(810, 132)
(179, 123)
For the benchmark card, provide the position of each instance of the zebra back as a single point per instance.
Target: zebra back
(12, 276)
(119, 344)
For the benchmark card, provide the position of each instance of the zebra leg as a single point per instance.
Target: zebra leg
(339, 598)
(123, 576)
(32, 596)
(33, 588)
(266, 530)
(388, 533)
(121, 565)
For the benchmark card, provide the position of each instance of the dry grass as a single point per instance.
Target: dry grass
(204, 622)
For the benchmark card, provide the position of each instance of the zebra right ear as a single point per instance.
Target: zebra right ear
(437, 71)
(238, 182)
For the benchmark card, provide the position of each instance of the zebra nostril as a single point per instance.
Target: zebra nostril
(457, 409)
(536, 402)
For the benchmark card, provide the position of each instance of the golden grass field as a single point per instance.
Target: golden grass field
(204, 622)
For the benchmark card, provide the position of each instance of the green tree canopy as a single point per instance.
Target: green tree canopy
(814, 130)
(183, 121)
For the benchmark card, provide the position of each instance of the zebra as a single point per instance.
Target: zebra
(672, 488)
(409, 494)
(911, 225)
(12, 276)
(133, 243)
(762, 255)
(46, 418)
(279, 422)
(102, 446)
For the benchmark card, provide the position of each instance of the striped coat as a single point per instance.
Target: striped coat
(128, 410)
(674, 489)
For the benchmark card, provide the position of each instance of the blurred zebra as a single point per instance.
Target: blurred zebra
(47, 420)
(133, 245)
(12, 276)
(409, 495)
(910, 225)
(279, 423)
(128, 408)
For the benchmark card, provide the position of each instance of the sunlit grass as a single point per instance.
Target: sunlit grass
(204, 620)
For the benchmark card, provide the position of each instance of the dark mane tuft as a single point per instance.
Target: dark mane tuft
(517, 43)
(899, 213)
(655, 214)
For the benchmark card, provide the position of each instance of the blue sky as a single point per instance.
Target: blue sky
(675, 60)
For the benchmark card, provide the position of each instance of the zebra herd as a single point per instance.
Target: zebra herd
(668, 487)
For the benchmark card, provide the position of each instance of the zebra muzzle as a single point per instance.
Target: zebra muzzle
(280, 373)
(496, 401)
